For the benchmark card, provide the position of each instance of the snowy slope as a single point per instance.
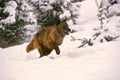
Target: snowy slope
(99, 62)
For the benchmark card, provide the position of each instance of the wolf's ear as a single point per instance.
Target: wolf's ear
(58, 22)
(64, 19)
(61, 20)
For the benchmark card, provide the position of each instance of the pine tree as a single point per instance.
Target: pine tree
(48, 12)
(15, 17)
(2, 14)
(106, 32)
(19, 19)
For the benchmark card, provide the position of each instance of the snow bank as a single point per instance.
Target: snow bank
(99, 62)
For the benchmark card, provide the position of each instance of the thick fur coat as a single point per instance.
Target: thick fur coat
(49, 38)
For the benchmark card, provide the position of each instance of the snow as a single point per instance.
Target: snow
(52, 1)
(12, 4)
(26, 7)
(10, 9)
(106, 3)
(118, 1)
(114, 27)
(114, 10)
(88, 15)
(98, 62)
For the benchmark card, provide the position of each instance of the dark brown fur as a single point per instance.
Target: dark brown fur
(49, 38)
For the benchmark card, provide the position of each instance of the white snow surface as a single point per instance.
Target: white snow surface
(98, 62)
(114, 10)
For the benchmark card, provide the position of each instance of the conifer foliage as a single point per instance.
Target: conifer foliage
(107, 12)
(14, 16)
(19, 19)
(49, 12)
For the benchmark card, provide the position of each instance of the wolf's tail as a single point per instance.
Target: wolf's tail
(30, 47)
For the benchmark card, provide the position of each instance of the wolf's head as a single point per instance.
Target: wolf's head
(63, 26)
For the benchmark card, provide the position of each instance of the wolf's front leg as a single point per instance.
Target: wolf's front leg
(54, 46)
(57, 50)
(41, 53)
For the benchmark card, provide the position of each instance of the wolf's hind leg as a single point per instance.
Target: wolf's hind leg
(29, 47)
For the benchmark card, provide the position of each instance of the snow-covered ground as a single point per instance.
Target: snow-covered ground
(99, 62)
